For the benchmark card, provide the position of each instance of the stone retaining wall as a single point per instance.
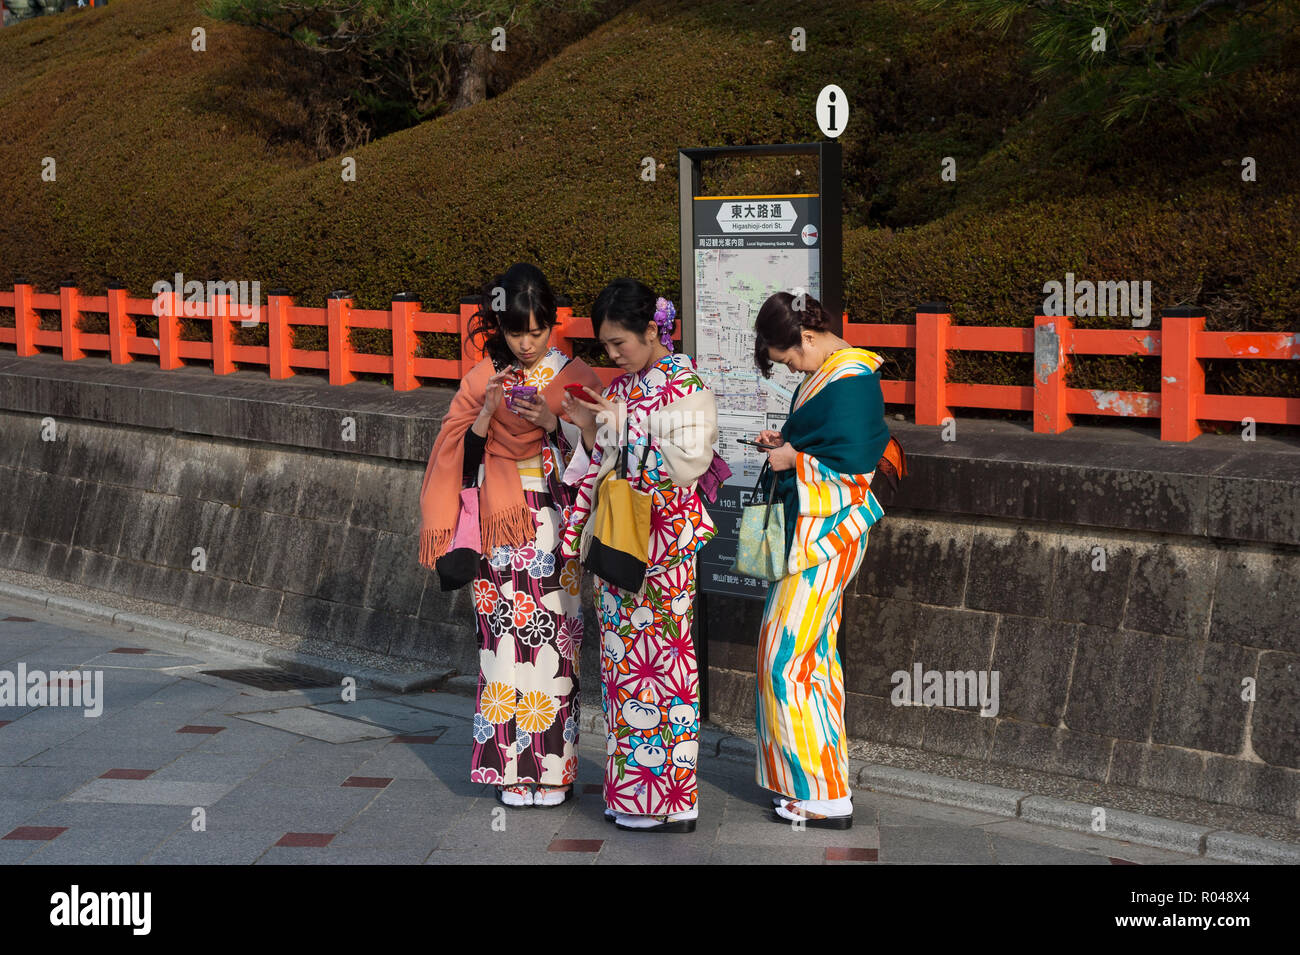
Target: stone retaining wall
(1133, 674)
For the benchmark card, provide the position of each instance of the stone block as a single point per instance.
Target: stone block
(1009, 573)
(1113, 686)
(1165, 769)
(1052, 750)
(1171, 590)
(1033, 659)
(1276, 714)
(1199, 705)
(1255, 599)
(918, 560)
(877, 637)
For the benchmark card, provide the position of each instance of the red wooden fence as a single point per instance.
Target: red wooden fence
(1180, 344)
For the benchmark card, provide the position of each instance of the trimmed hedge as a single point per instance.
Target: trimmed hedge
(199, 175)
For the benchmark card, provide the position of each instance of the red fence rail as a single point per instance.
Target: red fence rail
(1181, 344)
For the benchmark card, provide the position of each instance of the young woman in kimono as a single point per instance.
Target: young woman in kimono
(650, 682)
(826, 456)
(525, 594)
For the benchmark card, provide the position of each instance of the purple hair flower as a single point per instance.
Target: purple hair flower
(665, 318)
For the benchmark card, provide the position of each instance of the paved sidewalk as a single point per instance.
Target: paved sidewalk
(297, 776)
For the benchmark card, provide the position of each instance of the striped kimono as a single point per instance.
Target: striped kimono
(837, 428)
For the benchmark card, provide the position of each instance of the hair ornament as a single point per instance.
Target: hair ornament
(665, 318)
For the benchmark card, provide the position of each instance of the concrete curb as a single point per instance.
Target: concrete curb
(980, 797)
(294, 661)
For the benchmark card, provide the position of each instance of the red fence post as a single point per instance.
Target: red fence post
(218, 309)
(25, 323)
(933, 320)
(405, 305)
(1182, 376)
(121, 329)
(563, 316)
(337, 309)
(470, 353)
(279, 340)
(1051, 365)
(69, 312)
(169, 328)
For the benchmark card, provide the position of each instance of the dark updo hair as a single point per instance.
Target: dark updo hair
(780, 325)
(624, 302)
(526, 293)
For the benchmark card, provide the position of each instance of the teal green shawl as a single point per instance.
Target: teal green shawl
(842, 426)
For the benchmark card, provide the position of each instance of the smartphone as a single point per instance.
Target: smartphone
(577, 392)
(755, 444)
(519, 392)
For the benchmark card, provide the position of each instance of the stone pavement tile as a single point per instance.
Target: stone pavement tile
(246, 738)
(929, 845)
(240, 847)
(587, 821)
(187, 691)
(655, 848)
(149, 660)
(15, 749)
(292, 769)
(362, 747)
(116, 816)
(289, 808)
(252, 699)
(96, 762)
(150, 792)
(405, 761)
(333, 854)
(64, 720)
(761, 855)
(42, 782)
(162, 738)
(421, 793)
(200, 766)
(100, 847)
(745, 824)
(389, 714)
(396, 827)
(486, 824)
(326, 727)
(897, 811)
(14, 851)
(16, 811)
(1080, 842)
(448, 704)
(1022, 852)
(508, 855)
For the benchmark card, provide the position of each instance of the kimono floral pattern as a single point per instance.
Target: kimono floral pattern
(529, 616)
(649, 676)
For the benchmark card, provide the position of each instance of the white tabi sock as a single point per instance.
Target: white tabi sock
(649, 822)
(821, 807)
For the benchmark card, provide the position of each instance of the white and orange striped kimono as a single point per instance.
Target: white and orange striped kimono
(802, 751)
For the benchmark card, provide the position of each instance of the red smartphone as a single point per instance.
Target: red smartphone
(577, 392)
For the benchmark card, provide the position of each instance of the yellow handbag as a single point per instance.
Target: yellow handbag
(620, 542)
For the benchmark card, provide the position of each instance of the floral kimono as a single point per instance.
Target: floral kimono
(526, 600)
(837, 428)
(650, 682)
